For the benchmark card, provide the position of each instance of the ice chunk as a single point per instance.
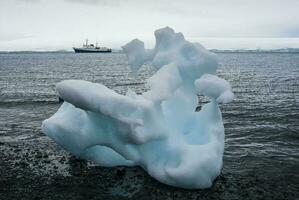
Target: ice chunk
(215, 88)
(136, 54)
(164, 83)
(158, 130)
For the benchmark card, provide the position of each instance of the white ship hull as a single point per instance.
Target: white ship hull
(91, 50)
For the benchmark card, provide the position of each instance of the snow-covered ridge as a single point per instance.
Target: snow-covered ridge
(158, 130)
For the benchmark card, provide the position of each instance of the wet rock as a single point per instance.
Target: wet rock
(77, 166)
(45, 156)
(39, 155)
(120, 172)
(23, 164)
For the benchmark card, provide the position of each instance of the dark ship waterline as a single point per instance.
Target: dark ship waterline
(90, 48)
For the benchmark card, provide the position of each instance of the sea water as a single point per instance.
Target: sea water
(261, 125)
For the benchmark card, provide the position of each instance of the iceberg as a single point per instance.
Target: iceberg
(158, 130)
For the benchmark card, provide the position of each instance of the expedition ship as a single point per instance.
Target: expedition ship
(91, 48)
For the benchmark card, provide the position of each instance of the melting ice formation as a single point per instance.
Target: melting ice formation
(158, 130)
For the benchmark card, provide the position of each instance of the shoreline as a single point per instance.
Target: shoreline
(29, 171)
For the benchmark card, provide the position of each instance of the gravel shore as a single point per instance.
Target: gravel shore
(37, 168)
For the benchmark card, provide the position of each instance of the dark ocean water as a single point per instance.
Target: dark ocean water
(261, 124)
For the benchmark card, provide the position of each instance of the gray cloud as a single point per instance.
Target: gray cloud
(114, 22)
(99, 2)
(13, 37)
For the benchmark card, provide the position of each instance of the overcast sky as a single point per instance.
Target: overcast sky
(223, 24)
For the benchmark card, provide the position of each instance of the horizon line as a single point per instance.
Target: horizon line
(118, 50)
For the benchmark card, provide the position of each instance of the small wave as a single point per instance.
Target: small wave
(27, 102)
(126, 84)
